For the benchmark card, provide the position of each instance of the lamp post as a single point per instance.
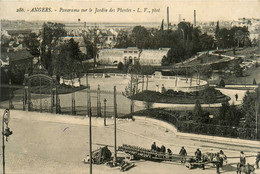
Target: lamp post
(5, 133)
(105, 101)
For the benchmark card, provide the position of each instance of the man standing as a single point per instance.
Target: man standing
(198, 155)
(217, 163)
(222, 156)
(236, 97)
(242, 159)
(153, 147)
(257, 160)
(183, 154)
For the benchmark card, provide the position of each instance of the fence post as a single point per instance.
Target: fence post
(10, 96)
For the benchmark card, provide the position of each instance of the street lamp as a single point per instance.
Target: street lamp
(5, 133)
(105, 101)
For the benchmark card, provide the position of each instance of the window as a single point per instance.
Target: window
(125, 51)
(135, 51)
(130, 51)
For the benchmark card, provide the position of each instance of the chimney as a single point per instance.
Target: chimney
(194, 18)
(167, 18)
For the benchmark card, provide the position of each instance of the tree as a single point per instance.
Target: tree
(217, 29)
(176, 54)
(123, 40)
(238, 71)
(120, 66)
(223, 38)
(209, 95)
(51, 33)
(68, 61)
(249, 110)
(206, 72)
(254, 82)
(162, 26)
(223, 111)
(32, 43)
(140, 37)
(146, 70)
(197, 112)
(207, 42)
(222, 83)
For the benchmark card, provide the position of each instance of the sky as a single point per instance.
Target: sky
(206, 10)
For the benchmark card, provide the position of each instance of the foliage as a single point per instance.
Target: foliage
(238, 71)
(68, 60)
(197, 112)
(32, 43)
(222, 83)
(51, 33)
(236, 36)
(249, 109)
(91, 46)
(171, 96)
(209, 95)
(141, 37)
(123, 40)
(120, 66)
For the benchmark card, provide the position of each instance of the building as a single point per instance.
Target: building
(153, 56)
(132, 55)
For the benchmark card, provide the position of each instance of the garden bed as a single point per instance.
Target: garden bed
(61, 89)
(207, 96)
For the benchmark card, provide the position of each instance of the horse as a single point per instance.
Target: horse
(208, 156)
(211, 157)
(247, 169)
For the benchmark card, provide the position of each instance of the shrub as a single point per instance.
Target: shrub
(222, 83)
(120, 66)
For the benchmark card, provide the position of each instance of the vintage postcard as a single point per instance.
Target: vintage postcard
(113, 86)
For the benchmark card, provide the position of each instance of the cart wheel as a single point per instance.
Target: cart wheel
(188, 165)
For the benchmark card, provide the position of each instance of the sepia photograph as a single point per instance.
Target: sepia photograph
(134, 86)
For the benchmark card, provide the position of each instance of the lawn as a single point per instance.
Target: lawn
(173, 97)
(247, 52)
(204, 59)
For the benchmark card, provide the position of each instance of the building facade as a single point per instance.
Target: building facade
(132, 55)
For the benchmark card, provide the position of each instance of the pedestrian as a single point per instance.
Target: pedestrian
(153, 147)
(222, 156)
(198, 155)
(257, 160)
(242, 159)
(163, 149)
(236, 97)
(183, 154)
(158, 149)
(218, 162)
(169, 151)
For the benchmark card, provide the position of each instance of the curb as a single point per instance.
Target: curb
(199, 137)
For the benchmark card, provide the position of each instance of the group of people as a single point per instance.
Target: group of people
(160, 149)
(218, 157)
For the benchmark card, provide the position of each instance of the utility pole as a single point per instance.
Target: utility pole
(131, 95)
(87, 80)
(105, 101)
(5, 133)
(256, 115)
(98, 102)
(90, 131)
(115, 116)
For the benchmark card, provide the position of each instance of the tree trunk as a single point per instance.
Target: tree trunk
(143, 83)
(146, 82)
